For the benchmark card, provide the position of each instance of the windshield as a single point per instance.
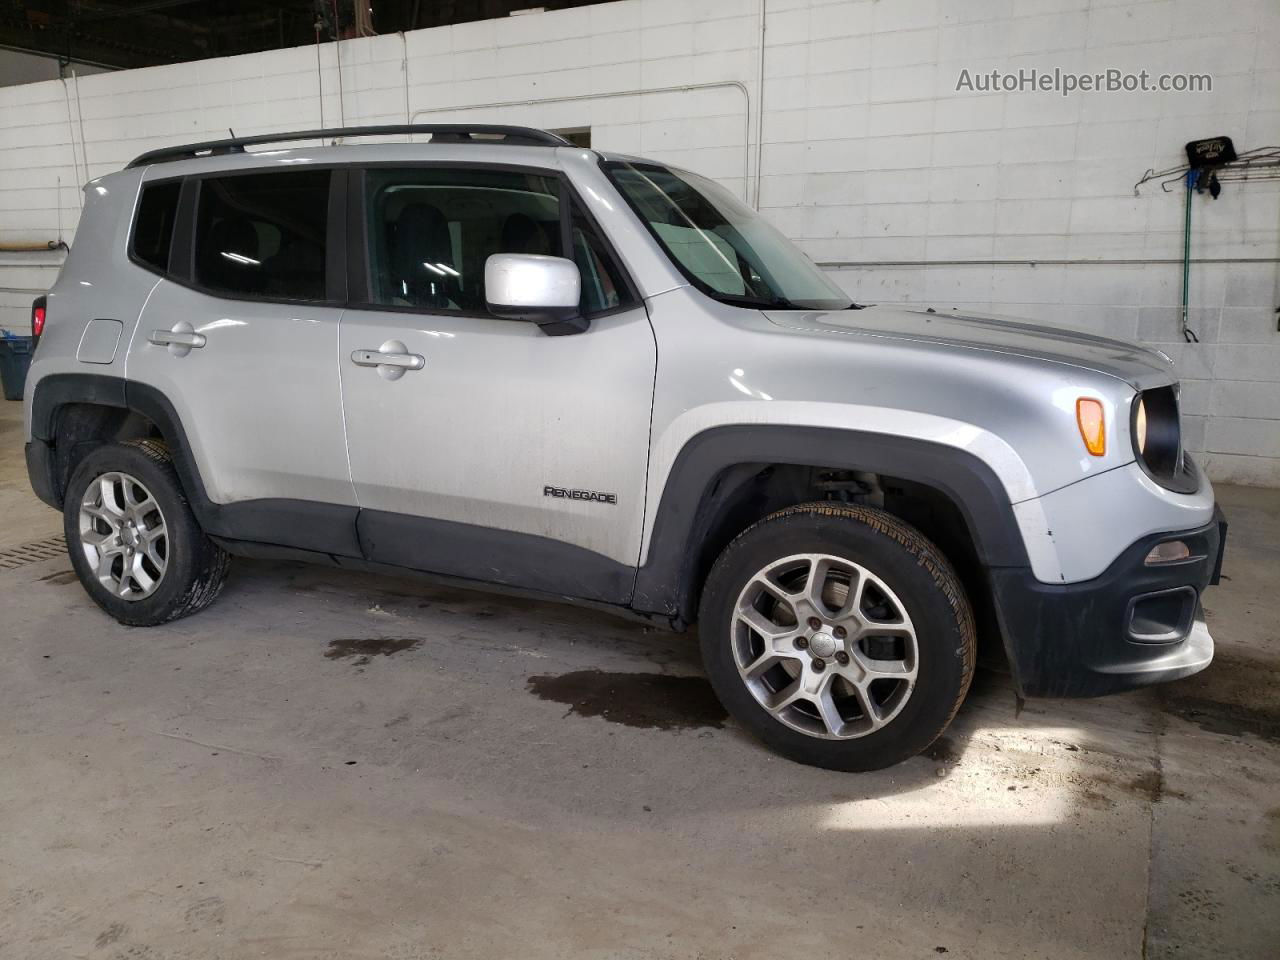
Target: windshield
(723, 246)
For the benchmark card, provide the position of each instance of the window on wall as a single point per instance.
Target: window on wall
(578, 136)
(263, 235)
(153, 225)
(430, 231)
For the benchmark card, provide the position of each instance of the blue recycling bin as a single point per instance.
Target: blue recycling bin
(15, 359)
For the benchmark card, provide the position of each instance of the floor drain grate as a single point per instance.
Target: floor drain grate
(20, 556)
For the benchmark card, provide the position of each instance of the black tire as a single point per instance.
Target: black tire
(196, 567)
(912, 567)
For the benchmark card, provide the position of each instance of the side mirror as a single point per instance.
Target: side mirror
(529, 286)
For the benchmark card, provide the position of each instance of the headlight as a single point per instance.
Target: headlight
(1157, 433)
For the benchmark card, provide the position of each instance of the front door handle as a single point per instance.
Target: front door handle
(181, 338)
(392, 359)
(376, 358)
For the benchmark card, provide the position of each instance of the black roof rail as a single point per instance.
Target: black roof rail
(440, 133)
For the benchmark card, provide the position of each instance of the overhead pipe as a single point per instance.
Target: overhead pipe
(755, 193)
(1047, 262)
(33, 247)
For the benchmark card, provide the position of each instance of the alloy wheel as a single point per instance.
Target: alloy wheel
(123, 535)
(825, 646)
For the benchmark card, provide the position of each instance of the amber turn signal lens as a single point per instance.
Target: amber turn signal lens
(1092, 425)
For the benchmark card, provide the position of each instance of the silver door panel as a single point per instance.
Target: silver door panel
(255, 387)
(498, 412)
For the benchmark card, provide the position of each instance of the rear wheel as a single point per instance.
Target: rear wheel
(133, 540)
(838, 635)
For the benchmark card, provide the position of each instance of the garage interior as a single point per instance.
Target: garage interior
(336, 765)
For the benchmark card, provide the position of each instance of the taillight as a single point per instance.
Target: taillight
(37, 316)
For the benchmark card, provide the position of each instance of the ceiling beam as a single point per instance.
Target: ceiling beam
(98, 12)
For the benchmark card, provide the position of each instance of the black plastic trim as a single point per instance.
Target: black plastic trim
(488, 555)
(267, 551)
(1175, 632)
(335, 264)
(666, 583)
(40, 471)
(1072, 639)
(58, 389)
(357, 247)
(182, 249)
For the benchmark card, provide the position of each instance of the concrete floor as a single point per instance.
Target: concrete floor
(325, 765)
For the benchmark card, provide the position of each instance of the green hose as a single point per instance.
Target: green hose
(1187, 334)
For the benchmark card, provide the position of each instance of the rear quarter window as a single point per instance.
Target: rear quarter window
(153, 225)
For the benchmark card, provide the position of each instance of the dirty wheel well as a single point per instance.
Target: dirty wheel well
(82, 427)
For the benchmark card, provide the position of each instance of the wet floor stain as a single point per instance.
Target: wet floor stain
(650, 700)
(1226, 719)
(361, 650)
(61, 577)
(1236, 695)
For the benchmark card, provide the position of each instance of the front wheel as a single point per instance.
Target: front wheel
(838, 635)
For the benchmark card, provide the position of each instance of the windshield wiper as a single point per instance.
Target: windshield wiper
(776, 303)
(759, 303)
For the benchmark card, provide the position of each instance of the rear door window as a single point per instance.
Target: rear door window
(263, 235)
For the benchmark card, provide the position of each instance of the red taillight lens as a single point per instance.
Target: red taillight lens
(37, 317)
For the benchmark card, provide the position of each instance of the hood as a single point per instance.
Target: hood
(1139, 366)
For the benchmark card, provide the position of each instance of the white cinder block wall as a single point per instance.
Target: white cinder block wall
(870, 158)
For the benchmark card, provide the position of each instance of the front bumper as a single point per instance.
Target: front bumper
(1131, 626)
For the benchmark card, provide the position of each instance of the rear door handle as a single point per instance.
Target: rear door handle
(181, 338)
(376, 358)
(177, 338)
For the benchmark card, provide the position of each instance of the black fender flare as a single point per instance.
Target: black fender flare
(704, 471)
(60, 389)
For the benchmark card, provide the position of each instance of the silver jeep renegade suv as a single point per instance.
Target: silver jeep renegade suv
(501, 359)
